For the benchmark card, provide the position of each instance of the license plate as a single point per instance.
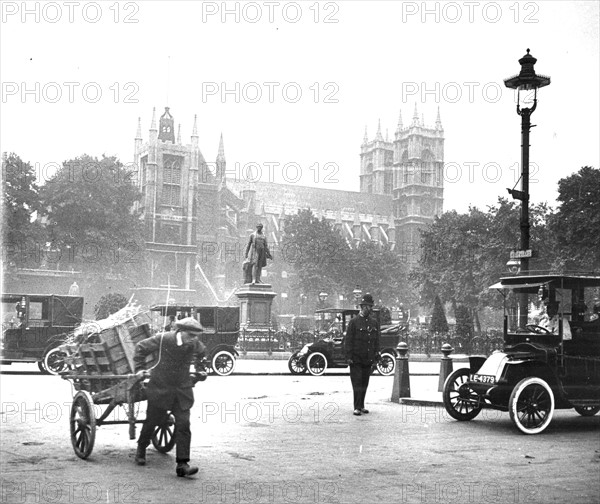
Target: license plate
(482, 378)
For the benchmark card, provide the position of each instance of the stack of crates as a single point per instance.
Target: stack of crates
(109, 352)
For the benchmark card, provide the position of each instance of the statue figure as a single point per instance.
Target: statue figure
(257, 253)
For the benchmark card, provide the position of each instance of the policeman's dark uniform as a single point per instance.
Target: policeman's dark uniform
(361, 346)
(170, 385)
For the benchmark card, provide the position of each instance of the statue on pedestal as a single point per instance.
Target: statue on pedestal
(257, 253)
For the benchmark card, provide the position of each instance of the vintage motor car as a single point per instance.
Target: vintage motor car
(34, 325)
(328, 350)
(550, 359)
(221, 331)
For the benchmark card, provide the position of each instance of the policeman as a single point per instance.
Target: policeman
(170, 387)
(361, 345)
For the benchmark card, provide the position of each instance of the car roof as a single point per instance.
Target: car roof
(188, 307)
(568, 281)
(338, 310)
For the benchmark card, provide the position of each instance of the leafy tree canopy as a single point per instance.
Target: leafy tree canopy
(90, 205)
(463, 254)
(316, 250)
(576, 223)
(21, 203)
(109, 304)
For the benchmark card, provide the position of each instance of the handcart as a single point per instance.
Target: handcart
(101, 371)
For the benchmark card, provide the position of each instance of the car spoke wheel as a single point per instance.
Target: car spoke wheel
(295, 364)
(386, 365)
(54, 361)
(316, 363)
(587, 410)
(163, 437)
(223, 363)
(531, 405)
(83, 424)
(460, 400)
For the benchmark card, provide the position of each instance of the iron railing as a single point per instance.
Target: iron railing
(419, 340)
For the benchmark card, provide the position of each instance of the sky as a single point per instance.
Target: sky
(292, 85)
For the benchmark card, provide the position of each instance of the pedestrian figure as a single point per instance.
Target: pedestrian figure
(361, 345)
(170, 387)
(257, 253)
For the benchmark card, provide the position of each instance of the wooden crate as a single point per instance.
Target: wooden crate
(121, 341)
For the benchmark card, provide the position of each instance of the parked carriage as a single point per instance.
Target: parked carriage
(34, 325)
(221, 330)
(538, 370)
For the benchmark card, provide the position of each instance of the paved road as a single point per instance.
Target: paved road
(293, 439)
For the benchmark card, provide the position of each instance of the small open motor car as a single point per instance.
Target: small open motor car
(221, 330)
(34, 325)
(328, 350)
(551, 355)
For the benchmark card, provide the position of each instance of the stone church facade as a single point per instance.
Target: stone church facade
(197, 220)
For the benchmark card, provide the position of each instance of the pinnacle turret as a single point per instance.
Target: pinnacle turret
(221, 153)
(153, 123)
(378, 136)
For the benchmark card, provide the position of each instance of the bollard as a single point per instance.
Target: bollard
(401, 376)
(445, 365)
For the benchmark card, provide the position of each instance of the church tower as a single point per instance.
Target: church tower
(376, 164)
(418, 186)
(410, 170)
(168, 181)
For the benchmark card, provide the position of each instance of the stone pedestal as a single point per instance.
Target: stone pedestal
(255, 306)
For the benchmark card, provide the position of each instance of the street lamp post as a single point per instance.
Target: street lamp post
(302, 301)
(526, 80)
(357, 292)
(322, 298)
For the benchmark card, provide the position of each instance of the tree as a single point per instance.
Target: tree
(379, 270)
(317, 252)
(93, 223)
(438, 317)
(109, 304)
(463, 254)
(464, 322)
(20, 206)
(576, 223)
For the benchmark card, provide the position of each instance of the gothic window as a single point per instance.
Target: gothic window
(170, 233)
(171, 194)
(388, 182)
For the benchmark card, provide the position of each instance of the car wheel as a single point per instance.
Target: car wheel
(531, 405)
(295, 364)
(386, 365)
(54, 361)
(223, 363)
(316, 363)
(587, 410)
(41, 366)
(460, 400)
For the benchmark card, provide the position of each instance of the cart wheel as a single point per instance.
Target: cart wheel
(163, 438)
(83, 424)
(54, 361)
(531, 405)
(587, 410)
(386, 365)
(461, 401)
(295, 365)
(223, 363)
(316, 363)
